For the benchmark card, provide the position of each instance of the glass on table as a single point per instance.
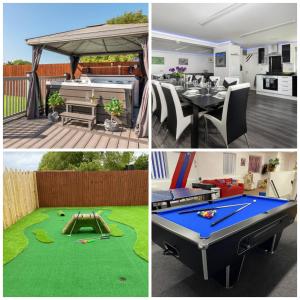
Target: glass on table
(208, 87)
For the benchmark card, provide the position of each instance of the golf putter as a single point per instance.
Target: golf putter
(74, 223)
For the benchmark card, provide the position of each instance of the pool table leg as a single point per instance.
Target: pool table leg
(271, 244)
(231, 274)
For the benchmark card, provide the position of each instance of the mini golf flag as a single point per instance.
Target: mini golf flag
(182, 170)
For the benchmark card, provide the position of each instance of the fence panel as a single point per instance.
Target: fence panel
(19, 195)
(78, 189)
(106, 68)
(15, 91)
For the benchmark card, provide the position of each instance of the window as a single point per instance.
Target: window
(229, 162)
(159, 165)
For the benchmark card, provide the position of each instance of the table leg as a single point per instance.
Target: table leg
(195, 123)
(230, 275)
(271, 244)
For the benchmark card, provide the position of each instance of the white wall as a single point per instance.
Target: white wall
(209, 165)
(196, 63)
(233, 60)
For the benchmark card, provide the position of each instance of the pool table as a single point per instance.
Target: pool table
(219, 251)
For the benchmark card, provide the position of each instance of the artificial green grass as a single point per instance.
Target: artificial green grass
(104, 268)
(42, 236)
(137, 218)
(14, 239)
(11, 107)
(115, 230)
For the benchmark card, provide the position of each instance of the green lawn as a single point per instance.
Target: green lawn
(13, 105)
(110, 267)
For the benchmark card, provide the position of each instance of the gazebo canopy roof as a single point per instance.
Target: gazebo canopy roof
(95, 40)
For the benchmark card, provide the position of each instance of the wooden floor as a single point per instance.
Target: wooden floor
(23, 133)
(272, 123)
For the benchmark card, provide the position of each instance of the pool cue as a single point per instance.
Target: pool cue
(204, 209)
(229, 215)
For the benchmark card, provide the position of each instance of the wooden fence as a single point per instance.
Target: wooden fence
(113, 68)
(78, 189)
(19, 195)
(15, 91)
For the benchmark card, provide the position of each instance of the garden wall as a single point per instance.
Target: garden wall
(19, 196)
(107, 188)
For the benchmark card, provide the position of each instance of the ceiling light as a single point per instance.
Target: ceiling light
(228, 9)
(181, 48)
(267, 28)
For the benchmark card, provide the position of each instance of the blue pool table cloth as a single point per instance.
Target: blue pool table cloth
(203, 226)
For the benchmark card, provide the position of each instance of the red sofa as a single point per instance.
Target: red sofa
(228, 187)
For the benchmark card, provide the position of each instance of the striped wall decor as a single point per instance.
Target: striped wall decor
(182, 170)
(159, 168)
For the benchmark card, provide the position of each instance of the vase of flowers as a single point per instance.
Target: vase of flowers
(177, 72)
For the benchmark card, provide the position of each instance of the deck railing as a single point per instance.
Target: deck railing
(15, 90)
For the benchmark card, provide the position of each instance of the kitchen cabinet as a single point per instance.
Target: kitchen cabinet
(286, 53)
(261, 55)
(259, 83)
(285, 85)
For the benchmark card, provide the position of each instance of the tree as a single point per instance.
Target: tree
(69, 160)
(18, 62)
(129, 18)
(91, 161)
(117, 160)
(126, 18)
(141, 163)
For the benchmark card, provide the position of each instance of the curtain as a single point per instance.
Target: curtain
(34, 91)
(141, 128)
(229, 162)
(74, 60)
(159, 166)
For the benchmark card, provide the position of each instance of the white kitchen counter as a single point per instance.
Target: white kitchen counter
(284, 90)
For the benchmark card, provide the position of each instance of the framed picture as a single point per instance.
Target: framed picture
(183, 61)
(243, 162)
(220, 59)
(156, 60)
(210, 59)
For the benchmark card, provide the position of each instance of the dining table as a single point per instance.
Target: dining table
(201, 101)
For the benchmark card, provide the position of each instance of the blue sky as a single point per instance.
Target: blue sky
(23, 21)
(25, 161)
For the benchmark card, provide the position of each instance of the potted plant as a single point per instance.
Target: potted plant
(177, 72)
(55, 100)
(273, 163)
(114, 108)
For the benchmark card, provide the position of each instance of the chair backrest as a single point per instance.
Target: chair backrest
(154, 102)
(200, 78)
(216, 79)
(160, 101)
(189, 77)
(232, 79)
(175, 113)
(234, 111)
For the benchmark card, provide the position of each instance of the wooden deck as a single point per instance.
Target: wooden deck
(23, 133)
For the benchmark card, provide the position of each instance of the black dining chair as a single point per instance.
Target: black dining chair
(179, 115)
(230, 120)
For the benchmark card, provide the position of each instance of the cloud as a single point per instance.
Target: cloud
(27, 161)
